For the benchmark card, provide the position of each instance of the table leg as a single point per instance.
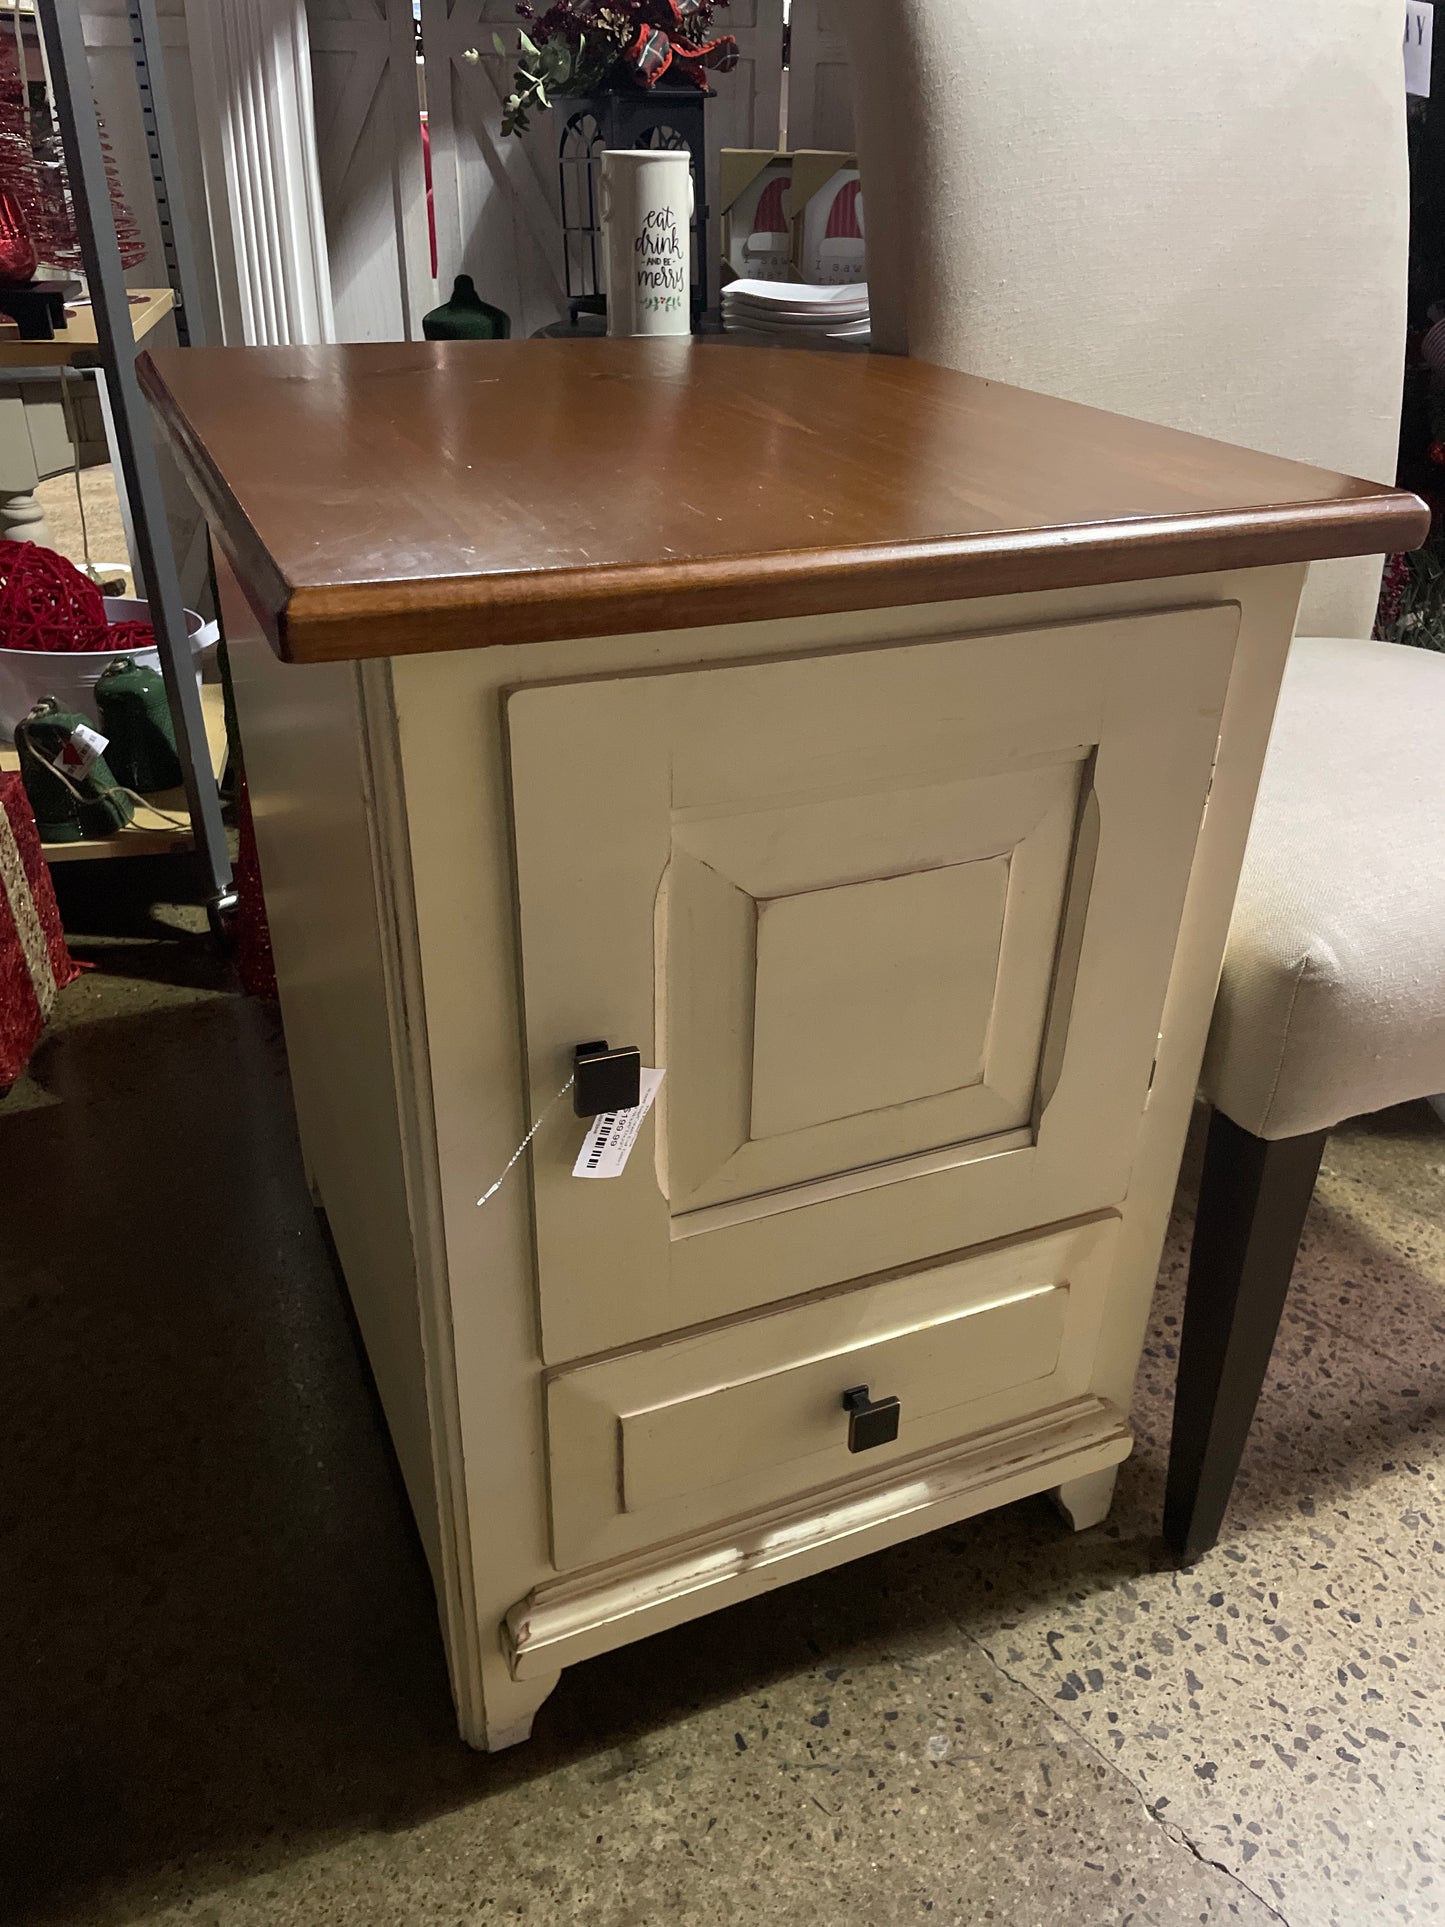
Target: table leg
(21, 517)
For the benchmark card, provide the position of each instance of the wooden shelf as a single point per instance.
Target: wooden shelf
(149, 834)
(148, 308)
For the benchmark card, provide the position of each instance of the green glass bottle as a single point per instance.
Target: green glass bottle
(466, 317)
(60, 815)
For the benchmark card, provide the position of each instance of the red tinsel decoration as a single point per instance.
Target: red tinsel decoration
(46, 603)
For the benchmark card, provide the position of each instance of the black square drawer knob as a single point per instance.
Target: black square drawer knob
(605, 1079)
(871, 1421)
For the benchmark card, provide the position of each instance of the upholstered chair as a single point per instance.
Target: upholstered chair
(1193, 215)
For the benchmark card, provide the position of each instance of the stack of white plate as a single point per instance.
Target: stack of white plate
(796, 311)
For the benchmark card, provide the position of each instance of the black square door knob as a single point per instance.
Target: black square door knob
(871, 1421)
(606, 1080)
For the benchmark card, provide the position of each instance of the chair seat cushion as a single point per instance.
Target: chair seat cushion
(1332, 1000)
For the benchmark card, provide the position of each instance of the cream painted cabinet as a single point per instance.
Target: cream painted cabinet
(872, 747)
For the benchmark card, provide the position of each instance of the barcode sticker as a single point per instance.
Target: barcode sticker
(610, 1138)
(82, 751)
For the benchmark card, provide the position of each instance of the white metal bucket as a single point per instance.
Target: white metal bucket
(28, 674)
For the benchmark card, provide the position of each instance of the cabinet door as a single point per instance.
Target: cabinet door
(897, 923)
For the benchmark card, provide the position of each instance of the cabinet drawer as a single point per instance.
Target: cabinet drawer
(654, 1444)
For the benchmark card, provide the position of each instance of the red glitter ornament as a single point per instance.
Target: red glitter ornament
(18, 259)
(36, 187)
(47, 604)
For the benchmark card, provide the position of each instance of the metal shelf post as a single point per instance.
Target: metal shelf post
(134, 449)
(165, 160)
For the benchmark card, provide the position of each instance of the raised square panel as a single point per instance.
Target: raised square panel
(853, 980)
(874, 994)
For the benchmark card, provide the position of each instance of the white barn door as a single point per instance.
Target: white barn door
(748, 111)
(820, 87)
(496, 199)
(368, 143)
(112, 69)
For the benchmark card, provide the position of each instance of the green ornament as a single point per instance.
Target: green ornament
(466, 317)
(61, 816)
(136, 717)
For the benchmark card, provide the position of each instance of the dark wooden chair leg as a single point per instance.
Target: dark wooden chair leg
(1253, 1197)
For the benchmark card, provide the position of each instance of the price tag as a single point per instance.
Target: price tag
(82, 751)
(610, 1138)
(1419, 47)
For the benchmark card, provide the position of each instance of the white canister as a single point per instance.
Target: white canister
(647, 203)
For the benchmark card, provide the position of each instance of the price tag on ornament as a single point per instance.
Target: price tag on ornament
(83, 749)
(1419, 47)
(610, 1138)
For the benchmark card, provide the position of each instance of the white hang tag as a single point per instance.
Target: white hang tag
(609, 1141)
(82, 751)
(1419, 47)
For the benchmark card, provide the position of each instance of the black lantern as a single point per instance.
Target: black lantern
(664, 117)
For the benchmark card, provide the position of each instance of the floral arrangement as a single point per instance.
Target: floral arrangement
(595, 46)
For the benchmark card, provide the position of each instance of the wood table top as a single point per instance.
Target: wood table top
(394, 498)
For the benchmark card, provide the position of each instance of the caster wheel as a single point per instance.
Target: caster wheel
(221, 910)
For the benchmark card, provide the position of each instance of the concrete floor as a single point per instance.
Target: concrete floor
(225, 1700)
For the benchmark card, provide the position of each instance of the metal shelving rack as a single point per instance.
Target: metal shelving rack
(115, 358)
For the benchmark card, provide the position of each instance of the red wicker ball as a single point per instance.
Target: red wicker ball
(47, 604)
(131, 634)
